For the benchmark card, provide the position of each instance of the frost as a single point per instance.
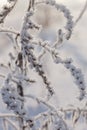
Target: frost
(18, 77)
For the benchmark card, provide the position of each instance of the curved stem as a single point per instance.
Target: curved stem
(81, 13)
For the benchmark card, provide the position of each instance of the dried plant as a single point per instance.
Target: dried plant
(24, 60)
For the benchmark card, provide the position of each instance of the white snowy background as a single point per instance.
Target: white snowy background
(76, 48)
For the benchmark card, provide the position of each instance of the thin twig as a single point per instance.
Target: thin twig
(81, 13)
(13, 124)
(29, 7)
(8, 115)
(5, 125)
(9, 31)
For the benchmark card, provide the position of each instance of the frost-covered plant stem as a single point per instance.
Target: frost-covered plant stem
(17, 79)
(27, 47)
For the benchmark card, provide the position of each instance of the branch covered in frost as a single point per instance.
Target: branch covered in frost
(6, 30)
(67, 15)
(12, 97)
(20, 64)
(27, 50)
(76, 72)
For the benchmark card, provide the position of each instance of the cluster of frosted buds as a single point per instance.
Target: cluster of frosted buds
(77, 74)
(26, 41)
(28, 24)
(67, 15)
(38, 67)
(6, 9)
(12, 98)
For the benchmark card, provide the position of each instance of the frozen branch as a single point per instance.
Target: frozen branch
(24, 60)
